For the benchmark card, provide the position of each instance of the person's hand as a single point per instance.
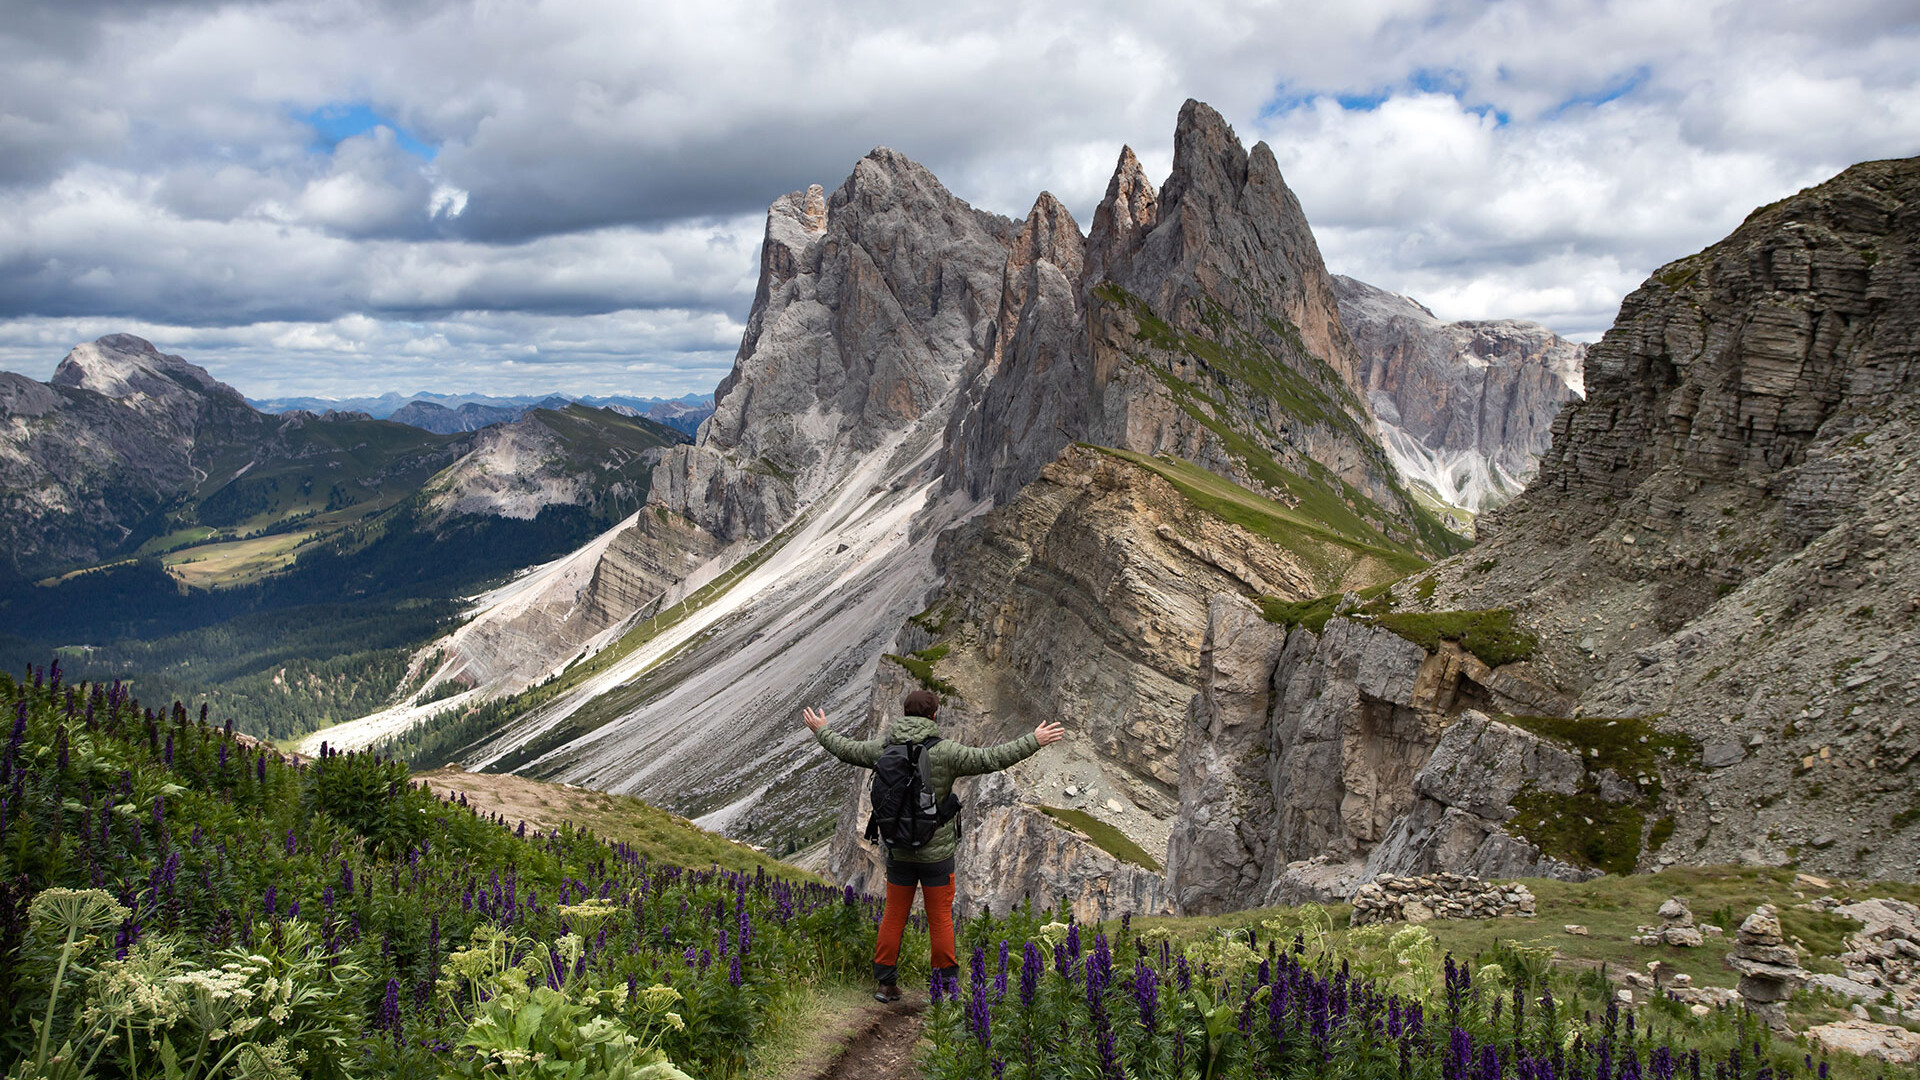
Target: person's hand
(814, 719)
(1049, 733)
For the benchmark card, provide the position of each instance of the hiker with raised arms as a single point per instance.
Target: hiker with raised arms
(915, 818)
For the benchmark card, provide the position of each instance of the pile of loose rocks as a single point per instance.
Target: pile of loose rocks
(1883, 957)
(1769, 968)
(1439, 896)
(1676, 927)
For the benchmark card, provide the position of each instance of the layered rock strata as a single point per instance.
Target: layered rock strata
(1197, 321)
(1714, 537)
(1089, 598)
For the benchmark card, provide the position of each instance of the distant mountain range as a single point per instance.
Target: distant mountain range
(280, 566)
(450, 413)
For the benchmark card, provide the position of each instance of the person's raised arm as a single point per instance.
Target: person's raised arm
(862, 752)
(975, 760)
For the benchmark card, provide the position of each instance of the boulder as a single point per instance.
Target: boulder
(1882, 1042)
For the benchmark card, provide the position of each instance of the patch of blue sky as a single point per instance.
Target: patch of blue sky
(1423, 80)
(333, 124)
(1286, 100)
(1613, 89)
(1447, 81)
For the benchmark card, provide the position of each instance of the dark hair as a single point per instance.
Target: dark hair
(922, 703)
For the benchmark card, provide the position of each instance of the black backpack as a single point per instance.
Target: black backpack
(905, 813)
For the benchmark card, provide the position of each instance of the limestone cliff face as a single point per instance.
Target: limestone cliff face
(1715, 537)
(872, 305)
(1311, 758)
(1030, 396)
(1466, 408)
(119, 434)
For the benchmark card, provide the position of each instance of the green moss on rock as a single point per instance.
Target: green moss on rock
(1631, 746)
(1582, 828)
(1104, 836)
(1490, 635)
(920, 666)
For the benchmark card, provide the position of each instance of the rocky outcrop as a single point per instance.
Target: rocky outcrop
(1883, 957)
(1465, 408)
(1319, 760)
(1713, 538)
(872, 306)
(574, 456)
(1464, 797)
(91, 459)
(1879, 1042)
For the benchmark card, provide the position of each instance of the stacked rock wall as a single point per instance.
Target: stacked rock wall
(1439, 896)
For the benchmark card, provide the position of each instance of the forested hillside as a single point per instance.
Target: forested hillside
(279, 569)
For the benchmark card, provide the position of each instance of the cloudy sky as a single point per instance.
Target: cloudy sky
(329, 197)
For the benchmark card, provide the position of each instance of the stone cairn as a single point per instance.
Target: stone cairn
(1676, 927)
(1769, 968)
(1439, 896)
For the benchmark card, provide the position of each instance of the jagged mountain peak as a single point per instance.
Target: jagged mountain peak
(873, 304)
(1377, 303)
(1123, 217)
(1049, 232)
(1208, 156)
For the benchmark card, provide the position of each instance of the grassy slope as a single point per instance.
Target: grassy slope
(1239, 365)
(1328, 549)
(1104, 836)
(1612, 909)
(660, 836)
(299, 615)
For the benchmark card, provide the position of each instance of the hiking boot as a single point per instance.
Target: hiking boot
(887, 994)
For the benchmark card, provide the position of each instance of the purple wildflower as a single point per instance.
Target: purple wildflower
(1030, 965)
(1146, 994)
(979, 1017)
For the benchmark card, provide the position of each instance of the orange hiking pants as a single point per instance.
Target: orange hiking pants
(935, 881)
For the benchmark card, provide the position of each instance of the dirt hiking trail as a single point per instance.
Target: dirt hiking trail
(877, 1044)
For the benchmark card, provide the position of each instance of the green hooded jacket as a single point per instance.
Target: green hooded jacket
(948, 762)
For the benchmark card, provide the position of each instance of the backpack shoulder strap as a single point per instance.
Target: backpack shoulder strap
(924, 752)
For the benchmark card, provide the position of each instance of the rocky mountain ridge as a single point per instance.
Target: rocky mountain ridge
(470, 416)
(91, 457)
(125, 445)
(892, 326)
(1096, 477)
(1465, 408)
